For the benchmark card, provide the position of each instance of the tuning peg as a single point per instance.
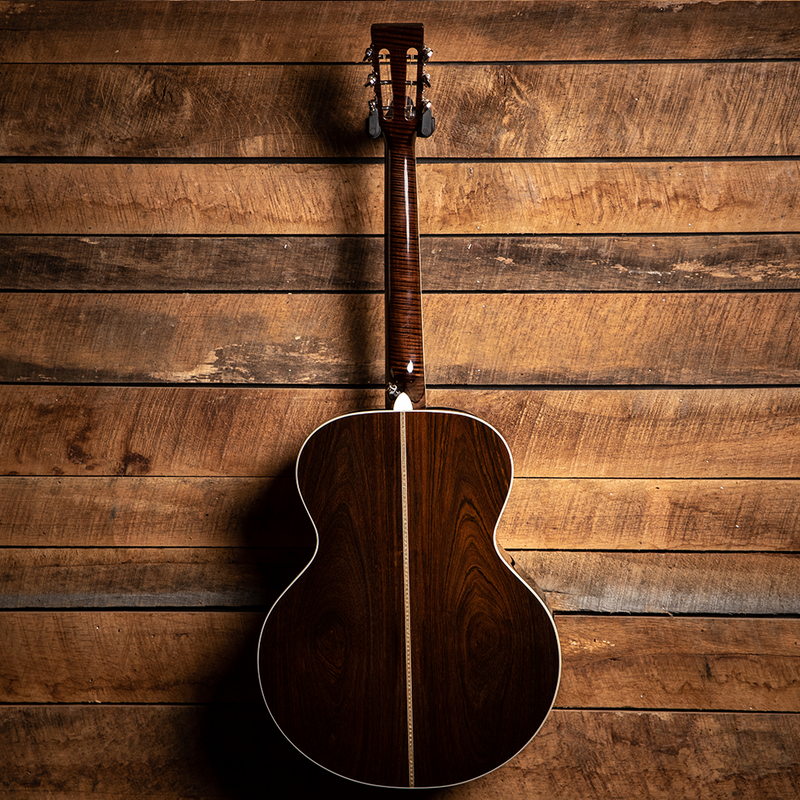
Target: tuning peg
(427, 123)
(373, 121)
(368, 54)
(372, 80)
(427, 53)
(426, 80)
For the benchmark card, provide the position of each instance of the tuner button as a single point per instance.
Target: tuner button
(368, 54)
(427, 124)
(373, 121)
(372, 80)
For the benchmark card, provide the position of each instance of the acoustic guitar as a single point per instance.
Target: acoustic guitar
(408, 652)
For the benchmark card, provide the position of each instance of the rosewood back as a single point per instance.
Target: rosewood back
(432, 692)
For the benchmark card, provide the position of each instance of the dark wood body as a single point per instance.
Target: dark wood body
(485, 657)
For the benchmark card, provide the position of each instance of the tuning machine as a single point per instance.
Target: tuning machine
(427, 122)
(373, 121)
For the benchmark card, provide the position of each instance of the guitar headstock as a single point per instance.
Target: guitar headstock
(399, 109)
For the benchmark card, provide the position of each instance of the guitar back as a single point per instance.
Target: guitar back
(408, 652)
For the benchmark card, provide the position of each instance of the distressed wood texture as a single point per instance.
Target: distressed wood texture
(639, 583)
(585, 339)
(450, 263)
(482, 197)
(544, 514)
(540, 30)
(224, 752)
(579, 111)
(191, 258)
(616, 662)
(204, 431)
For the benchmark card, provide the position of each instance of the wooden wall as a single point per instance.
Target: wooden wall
(191, 268)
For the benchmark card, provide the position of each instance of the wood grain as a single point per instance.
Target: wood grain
(629, 583)
(98, 656)
(542, 514)
(489, 111)
(666, 583)
(146, 578)
(153, 512)
(337, 634)
(511, 339)
(485, 659)
(224, 752)
(697, 664)
(450, 263)
(130, 657)
(654, 755)
(611, 156)
(463, 198)
(203, 431)
(623, 514)
(142, 32)
(660, 433)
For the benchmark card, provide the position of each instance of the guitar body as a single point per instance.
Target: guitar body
(408, 652)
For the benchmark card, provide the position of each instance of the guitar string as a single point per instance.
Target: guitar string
(407, 595)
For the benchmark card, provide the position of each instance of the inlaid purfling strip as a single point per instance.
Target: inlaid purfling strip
(407, 594)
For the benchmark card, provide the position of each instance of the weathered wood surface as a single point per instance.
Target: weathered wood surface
(183, 431)
(482, 197)
(507, 339)
(624, 514)
(226, 751)
(207, 657)
(151, 526)
(134, 32)
(650, 755)
(697, 664)
(666, 583)
(449, 263)
(629, 583)
(490, 111)
(542, 514)
(152, 512)
(150, 578)
(130, 657)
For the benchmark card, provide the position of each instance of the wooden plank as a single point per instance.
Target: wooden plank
(192, 578)
(623, 514)
(490, 111)
(139, 32)
(205, 431)
(695, 664)
(666, 583)
(627, 583)
(542, 514)
(449, 263)
(616, 662)
(130, 657)
(153, 512)
(175, 751)
(655, 755)
(508, 339)
(467, 198)
(660, 433)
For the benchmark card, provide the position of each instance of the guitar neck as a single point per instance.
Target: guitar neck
(400, 112)
(405, 371)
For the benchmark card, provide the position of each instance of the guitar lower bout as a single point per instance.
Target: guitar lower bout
(408, 652)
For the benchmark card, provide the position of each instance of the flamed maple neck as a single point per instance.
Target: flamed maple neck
(400, 112)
